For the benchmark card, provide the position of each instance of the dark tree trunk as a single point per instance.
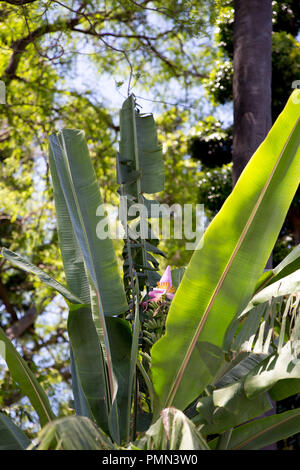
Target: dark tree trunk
(252, 77)
(252, 63)
(252, 66)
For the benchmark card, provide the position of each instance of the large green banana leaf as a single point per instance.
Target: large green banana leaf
(88, 388)
(29, 385)
(76, 277)
(265, 431)
(221, 277)
(18, 260)
(86, 324)
(11, 437)
(89, 360)
(288, 265)
(82, 196)
(172, 431)
(285, 286)
(78, 182)
(140, 153)
(81, 405)
(228, 407)
(74, 433)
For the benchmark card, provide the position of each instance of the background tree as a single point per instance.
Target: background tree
(285, 70)
(252, 75)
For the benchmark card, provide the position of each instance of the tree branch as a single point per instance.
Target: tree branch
(18, 2)
(18, 328)
(20, 45)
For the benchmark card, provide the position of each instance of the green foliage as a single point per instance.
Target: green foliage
(172, 431)
(219, 84)
(190, 364)
(210, 143)
(30, 386)
(285, 59)
(286, 14)
(74, 433)
(265, 431)
(50, 54)
(214, 188)
(11, 437)
(285, 69)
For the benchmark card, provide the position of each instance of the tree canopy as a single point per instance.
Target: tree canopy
(70, 64)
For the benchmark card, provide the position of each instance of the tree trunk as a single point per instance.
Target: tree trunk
(252, 75)
(252, 64)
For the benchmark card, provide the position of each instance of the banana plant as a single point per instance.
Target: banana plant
(232, 330)
(103, 345)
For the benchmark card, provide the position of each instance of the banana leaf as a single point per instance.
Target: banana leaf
(79, 185)
(18, 260)
(81, 404)
(221, 277)
(279, 374)
(288, 265)
(25, 378)
(74, 433)
(11, 437)
(89, 361)
(75, 272)
(228, 407)
(82, 197)
(239, 368)
(265, 431)
(82, 331)
(120, 336)
(138, 132)
(172, 431)
(285, 286)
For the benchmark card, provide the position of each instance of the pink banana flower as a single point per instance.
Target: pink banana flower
(164, 287)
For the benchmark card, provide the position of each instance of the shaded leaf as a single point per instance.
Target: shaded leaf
(24, 377)
(90, 364)
(74, 433)
(11, 437)
(172, 431)
(265, 431)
